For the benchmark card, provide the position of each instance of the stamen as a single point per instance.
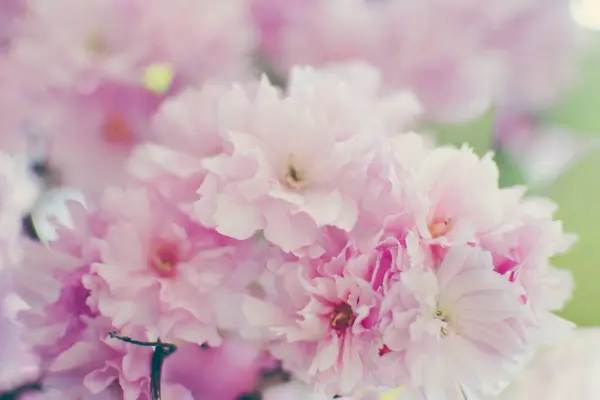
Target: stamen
(342, 318)
(294, 178)
(438, 229)
(165, 259)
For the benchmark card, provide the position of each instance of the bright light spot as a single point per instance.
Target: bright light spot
(586, 13)
(390, 394)
(158, 78)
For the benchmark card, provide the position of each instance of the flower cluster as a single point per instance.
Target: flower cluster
(281, 224)
(300, 223)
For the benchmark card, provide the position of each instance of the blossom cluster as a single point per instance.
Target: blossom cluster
(301, 223)
(263, 227)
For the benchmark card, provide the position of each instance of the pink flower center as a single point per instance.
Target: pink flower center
(116, 129)
(342, 318)
(438, 229)
(165, 259)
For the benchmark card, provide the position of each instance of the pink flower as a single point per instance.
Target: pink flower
(48, 279)
(542, 47)
(17, 363)
(89, 78)
(183, 133)
(227, 372)
(92, 135)
(432, 48)
(202, 39)
(11, 11)
(521, 250)
(158, 271)
(321, 325)
(102, 40)
(458, 324)
(295, 163)
(456, 196)
(117, 41)
(458, 57)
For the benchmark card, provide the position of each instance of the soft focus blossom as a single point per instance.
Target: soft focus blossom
(91, 136)
(456, 56)
(11, 11)
(117, 40)
(565, 370)
(88, 92)
(541, 47)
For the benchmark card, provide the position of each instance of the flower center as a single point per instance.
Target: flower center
(165, 259)
(342, 318)
(439, 314)
(438, 229)
(116, 129)
(294, 178)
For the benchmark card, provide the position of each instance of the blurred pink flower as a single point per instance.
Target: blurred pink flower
(91, 136)
(116, 41)
(457, 56)
(542, 48)
(428, 47)
(222, 373)
(11, 12)
(561, 371)
(87, 81)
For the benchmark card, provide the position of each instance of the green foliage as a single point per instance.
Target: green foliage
(476, 133)
(577, 193)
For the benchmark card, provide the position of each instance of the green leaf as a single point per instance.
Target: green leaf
(577, 194)
(511, 173)
(477, 133)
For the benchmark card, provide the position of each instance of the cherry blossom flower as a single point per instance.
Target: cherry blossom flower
(187, 274)
(450, 333)
(301, 160)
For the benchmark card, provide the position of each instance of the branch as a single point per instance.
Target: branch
(161, 351)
